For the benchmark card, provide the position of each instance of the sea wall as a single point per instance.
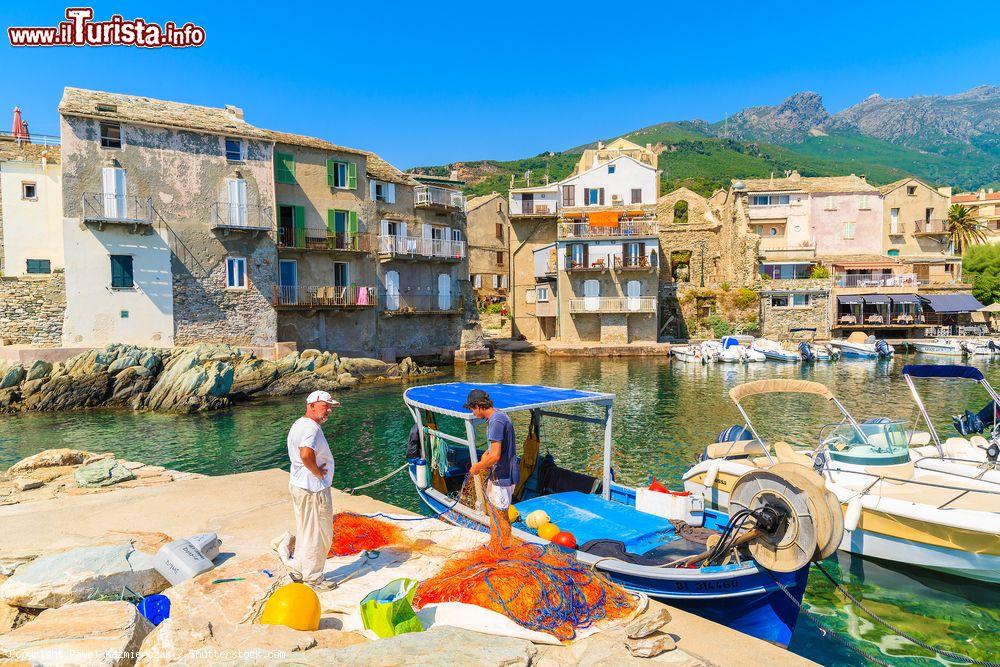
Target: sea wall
(31, 309)
(183, 379)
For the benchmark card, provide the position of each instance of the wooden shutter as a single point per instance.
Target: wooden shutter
(371, 190)
(331, 222)
(586, 196)
(284, 168)
(352, 175)
(600, 196)
(331, 169)
(384, 228)
(352, 223)
(586, 255)
(390, 193)
(299, 223)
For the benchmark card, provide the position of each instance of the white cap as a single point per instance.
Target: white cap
(321, 396)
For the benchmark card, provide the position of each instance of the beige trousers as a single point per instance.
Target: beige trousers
(313, 532)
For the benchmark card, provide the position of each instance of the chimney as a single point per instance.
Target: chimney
(945, 190)
(795, 174)
(649, 147)
(600, 145)
(864, 177)
(989, 192)
(234, 111)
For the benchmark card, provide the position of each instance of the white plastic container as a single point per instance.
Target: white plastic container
(207, 543)
(686, 507)
(179, 561)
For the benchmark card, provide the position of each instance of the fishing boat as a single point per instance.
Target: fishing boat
(893, 509)
(948, 347)
(860, 346)
(775, 351)
(970, 455)
(645, 540)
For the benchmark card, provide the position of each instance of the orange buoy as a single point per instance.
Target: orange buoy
(564, 538)
(548, 530)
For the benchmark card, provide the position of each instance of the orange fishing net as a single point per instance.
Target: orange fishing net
(353, 533)
(540, 588)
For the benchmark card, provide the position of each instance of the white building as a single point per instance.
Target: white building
(31, 192)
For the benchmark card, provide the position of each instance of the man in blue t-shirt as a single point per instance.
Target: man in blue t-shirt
(502, 453)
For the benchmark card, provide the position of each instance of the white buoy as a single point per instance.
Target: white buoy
(853, 514)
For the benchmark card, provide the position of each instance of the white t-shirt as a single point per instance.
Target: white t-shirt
(307, 433)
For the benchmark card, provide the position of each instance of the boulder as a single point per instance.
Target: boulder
(12, 377)
(310, 353)
(130, 384)
(252, 375)
(287, 363)
(187, 642)
(30, 387)
(50, 458)
(123, 362)
(192, 383)
(198, 599)
(363, 367)
(66, 392)
(347, 380)
(91, 633)
(305, 364)
(8, 616)
(40, 369)
(81, 574)
(102, 473)
(654, 619)
(651, 645)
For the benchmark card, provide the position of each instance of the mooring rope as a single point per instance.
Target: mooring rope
(381, 479)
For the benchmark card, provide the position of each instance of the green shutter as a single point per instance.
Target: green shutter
(121, 271)
(352, 223)
(284, 168)
(331, 166)
(299, 220)
(331, 222)
(352, 175)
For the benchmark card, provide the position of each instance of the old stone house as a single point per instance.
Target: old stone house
(915, 229)
(488, 224)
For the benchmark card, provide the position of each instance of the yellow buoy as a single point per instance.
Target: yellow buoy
(512, 514)
(536, 519)
(293, 605)
(547, 531)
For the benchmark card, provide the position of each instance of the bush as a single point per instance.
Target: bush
(719, 325)
(725, 287)
(986, 288)
(819, 271)
(494, 308)
(745, 298)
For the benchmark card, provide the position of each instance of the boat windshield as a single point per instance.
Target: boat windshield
(883, 436)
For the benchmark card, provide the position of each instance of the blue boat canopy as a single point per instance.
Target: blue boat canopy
(730, 341)
(951, 303)
(943, 371)
(449, 398)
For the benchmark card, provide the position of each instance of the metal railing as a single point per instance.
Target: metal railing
(609, 304)
(877, 280)
(429, 195)
(417, 246)
(315, 240)
(521, 207)
(630, 262)
(325, 296)
(584, 230)
(421, 302)
(241, 216)
(37, 139)
(102, 207)
(933, 226)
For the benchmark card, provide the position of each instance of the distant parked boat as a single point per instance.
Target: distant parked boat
(860, 346)
(981, 347)
(775, 351)
(944, 346)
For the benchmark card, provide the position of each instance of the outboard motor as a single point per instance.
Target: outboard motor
(972, 422)
(735, 433)
(883, 348)
(805, 349)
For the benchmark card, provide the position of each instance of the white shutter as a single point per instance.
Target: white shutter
(371, 189)
(237, 202)
(591, 295)
(496, 281)
(384, 228)
(444, 292)
(390, 193)
(425, 231)
(477, 280)
(392, 290)
(529, 295)
(113, 181)
(633, 289)
(503, 281)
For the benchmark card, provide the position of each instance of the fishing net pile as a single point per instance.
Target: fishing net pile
(354, 533)
(541, 588)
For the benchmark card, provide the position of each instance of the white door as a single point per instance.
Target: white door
(591, 295)
(633, 290)
(237, 202)
(392, 290)
(114, 193)
(444, 292)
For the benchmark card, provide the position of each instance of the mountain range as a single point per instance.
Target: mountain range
(943, 139)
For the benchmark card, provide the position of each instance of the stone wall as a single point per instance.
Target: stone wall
(775, 322)
(31, 310)
(686, 310)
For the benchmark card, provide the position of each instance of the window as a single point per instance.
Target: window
(848, 230)
(29, 191)
(503, 281)
(800, 300)
(121, 272)
(593, 196)
(341, 174)
(769, 200)
(500, 231)
(477, 280)
(576, 255)
(894, 252)
(911, 190)
(236, 273)
(569, 195)
(636, 195)
(894, 221)
(773, 231)
(39, 266)
(542, 294)
(496, 281)
(341, 274)
(383, 192)
(111, 135)
(779, 301)
(234, 149)
(284, 168)
(611, 168)
(831, 204)
(114, 188)
(865, 203)
(499, 257)
(529, 295)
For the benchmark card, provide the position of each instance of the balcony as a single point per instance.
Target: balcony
(897, 320)
(865, 280)
(625, 228)
(241, 217)
(606, 304)
(425, 303)
(935, 227)
(315, 240)
(324, 297)
(429, 196)
(413, 247)
(105, 209)
(520, 208)
(631, 263)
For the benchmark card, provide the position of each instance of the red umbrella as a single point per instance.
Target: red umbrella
(20, 130)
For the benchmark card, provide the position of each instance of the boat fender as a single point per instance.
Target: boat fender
(423, 474)
(711, 474)
(853, 514)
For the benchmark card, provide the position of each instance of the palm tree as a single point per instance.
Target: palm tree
(963, 229)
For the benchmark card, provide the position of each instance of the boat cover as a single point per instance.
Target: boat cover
(730, 341)
(778, 386)
(943, 371)
(951, 303)
(449, 398)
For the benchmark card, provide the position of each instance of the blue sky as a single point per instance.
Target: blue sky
(429, 83)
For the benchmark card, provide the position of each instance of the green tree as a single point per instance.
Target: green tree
(819, 271)
(981, 259)
(986, 288)
(964, 231)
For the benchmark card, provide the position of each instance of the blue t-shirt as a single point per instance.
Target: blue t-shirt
(500, 429)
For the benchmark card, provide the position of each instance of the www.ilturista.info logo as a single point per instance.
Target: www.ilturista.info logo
(79, 29)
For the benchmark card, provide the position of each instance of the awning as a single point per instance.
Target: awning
(904, 298)
(875, 298)
(992, 308)
(849, 299)
(603, 218)
(978, 316)
(951, 303)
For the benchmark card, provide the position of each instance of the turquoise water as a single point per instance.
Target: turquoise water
(665, 412)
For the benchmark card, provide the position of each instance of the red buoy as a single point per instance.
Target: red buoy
(564, 538)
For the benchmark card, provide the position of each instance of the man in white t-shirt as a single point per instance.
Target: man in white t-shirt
(309, 481)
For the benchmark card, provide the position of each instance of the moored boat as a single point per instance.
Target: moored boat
(775, 351)
(860, 346)
(948, 347)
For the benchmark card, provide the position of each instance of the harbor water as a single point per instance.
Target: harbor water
(665, 412)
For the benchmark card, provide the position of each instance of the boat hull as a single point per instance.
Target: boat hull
(941, 350)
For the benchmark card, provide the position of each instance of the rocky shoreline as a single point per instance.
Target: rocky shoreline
(185, 379)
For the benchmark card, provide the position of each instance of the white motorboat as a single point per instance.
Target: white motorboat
(861, 346)
(731, 352)
(703, 353)
(776, 351)
(943, 346)
(981, 347)
(893, 510)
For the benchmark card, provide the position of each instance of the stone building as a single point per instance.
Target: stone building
(488, 230)
(168, 223)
